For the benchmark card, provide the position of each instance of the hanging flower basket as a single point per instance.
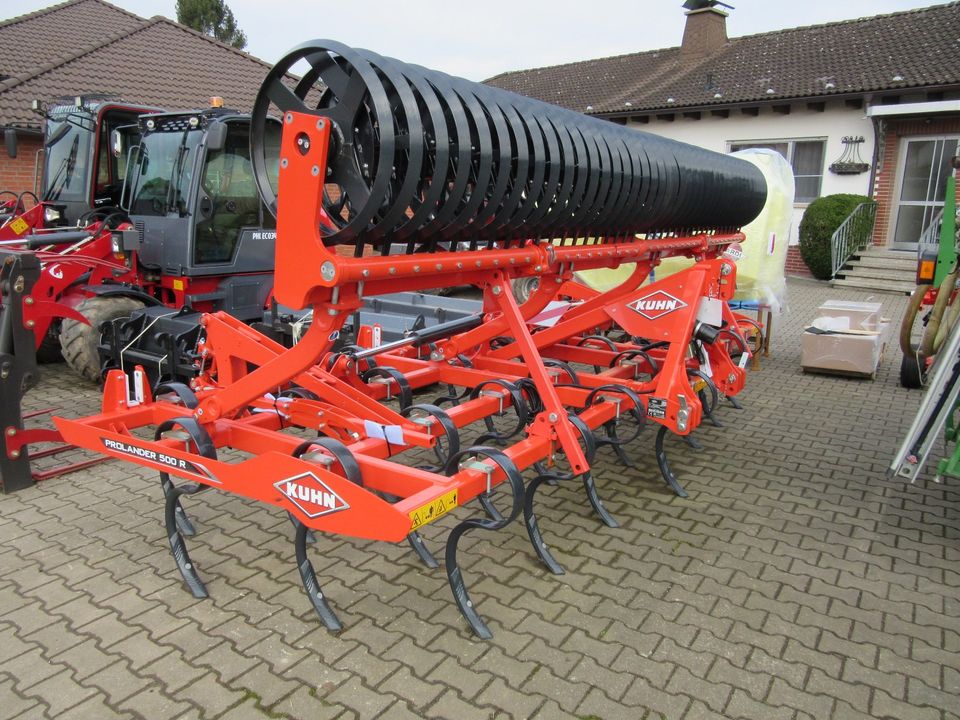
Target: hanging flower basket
(848, 168)
(850, 162)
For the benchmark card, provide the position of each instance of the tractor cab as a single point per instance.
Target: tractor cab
(193, 198)
(80, 173)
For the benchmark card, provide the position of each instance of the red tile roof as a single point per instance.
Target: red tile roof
(922, 47)
(152, 62)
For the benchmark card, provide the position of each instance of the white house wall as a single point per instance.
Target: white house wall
(834, 123)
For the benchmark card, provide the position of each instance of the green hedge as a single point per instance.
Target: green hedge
(822, 218)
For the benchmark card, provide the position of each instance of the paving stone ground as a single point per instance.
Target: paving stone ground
(796, 581)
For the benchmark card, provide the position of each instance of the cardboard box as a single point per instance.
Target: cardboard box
(841, 353)
(857, 353)
(861, 315)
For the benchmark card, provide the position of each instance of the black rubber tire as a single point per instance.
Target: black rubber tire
(912, 373)
(78, 342)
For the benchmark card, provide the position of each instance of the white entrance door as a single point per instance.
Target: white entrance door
(924, 168)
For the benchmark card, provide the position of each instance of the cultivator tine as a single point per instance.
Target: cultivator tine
(181, 518)
(533, 526)
(708, 403)
(309, 579)
(454, 574)
(664, 466)
(737, 405)
(613, 393)
(692, 441)
(416, 542)
(488, 507)
(311, 538)
(177, 546)
(590, 486)
(517, 401)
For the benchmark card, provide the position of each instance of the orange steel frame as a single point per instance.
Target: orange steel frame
(238, 407)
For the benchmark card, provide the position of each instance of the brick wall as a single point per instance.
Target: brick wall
(885, 181)
(16, 174)
(795, 265)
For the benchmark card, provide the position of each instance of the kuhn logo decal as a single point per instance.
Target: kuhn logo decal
(656, 305)
(311, 495)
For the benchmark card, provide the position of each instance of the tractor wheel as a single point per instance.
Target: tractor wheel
(79, 342)
(913, 372)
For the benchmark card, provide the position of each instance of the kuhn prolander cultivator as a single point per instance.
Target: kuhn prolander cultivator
(477, 186)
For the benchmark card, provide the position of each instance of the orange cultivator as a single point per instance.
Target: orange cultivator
(574, 368)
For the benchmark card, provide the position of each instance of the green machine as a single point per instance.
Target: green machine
(936, 270)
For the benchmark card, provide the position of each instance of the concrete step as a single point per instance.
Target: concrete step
(880, 261)
(887, 286)
(874, 251)
(878, 273)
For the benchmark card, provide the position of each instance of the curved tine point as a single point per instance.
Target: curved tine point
(533, 527)
(459, 587)
(422, 551)
(622, 455)
(489, 508)
(664, 466)
(178, 547)
(309, 578)
(596, 503)
(733, 401)
(692, 442)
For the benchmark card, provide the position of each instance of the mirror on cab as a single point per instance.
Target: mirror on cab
(216, 136)
(10, 140)
(116, 143)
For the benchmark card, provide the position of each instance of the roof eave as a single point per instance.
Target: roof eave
(706, 107)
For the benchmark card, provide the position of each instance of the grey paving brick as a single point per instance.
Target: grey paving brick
(95, 707)
(568, 693)
(152, 703)
(15, 706)
(450, 705)
(304, 703)
(884, 705)
(742, 706)
(205, 691)
(59, 692)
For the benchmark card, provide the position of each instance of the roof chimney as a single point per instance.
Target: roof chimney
(706, 29)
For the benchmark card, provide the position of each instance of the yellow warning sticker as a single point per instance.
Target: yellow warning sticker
(19, 226)
(431, 511)
(699, 384)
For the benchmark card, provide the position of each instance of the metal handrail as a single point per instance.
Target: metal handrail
(930, 237)
(853, 235)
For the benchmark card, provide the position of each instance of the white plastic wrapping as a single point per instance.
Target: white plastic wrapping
(760, 271)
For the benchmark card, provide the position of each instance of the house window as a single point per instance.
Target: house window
(806, 158)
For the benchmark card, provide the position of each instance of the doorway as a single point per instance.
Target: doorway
(924, 169)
